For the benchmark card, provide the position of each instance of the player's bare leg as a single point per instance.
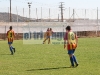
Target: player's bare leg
(49, 41)
(45, 40)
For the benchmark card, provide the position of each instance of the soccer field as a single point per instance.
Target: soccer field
(50, 59)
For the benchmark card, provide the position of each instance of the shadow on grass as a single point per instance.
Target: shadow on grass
(47, 69)
(5, 54)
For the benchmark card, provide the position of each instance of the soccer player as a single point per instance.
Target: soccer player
(70, 41)
(10, 36)
(51, 32)
(47, 36)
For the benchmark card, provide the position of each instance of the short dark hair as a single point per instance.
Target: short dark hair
(10, 27)
(68, 28)
(50, 28)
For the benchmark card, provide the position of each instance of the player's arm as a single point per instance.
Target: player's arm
(52, 32)
(65, 40)
(14, 34)
(76, 38)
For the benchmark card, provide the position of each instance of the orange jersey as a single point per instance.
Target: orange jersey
(71, 41)
(10, 35)
(47, 33)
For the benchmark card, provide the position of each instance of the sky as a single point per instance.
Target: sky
(79, 5)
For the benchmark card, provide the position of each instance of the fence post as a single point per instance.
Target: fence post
(5, 34)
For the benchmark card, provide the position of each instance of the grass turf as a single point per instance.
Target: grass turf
(50, 59)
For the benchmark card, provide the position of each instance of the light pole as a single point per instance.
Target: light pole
(61, 7)
(29, 4)
(10, 12)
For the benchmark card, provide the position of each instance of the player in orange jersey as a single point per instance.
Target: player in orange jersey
(70, 41)
(47, 36)
(10, 36)
(51, 32)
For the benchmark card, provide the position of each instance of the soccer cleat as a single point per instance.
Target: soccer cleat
(14, 50)
(11, 53)
(76, 65)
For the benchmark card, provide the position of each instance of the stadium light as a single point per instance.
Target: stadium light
(29, 4)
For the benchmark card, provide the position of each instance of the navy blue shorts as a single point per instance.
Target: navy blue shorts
(71, 51)
(10, 43)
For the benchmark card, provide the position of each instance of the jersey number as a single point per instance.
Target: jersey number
(10, 34)
(72, 37)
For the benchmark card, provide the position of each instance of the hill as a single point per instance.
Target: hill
(4, 17)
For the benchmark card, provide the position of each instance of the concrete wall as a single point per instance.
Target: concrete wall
(82, 28)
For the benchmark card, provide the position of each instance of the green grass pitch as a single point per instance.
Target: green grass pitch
(50, 59)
